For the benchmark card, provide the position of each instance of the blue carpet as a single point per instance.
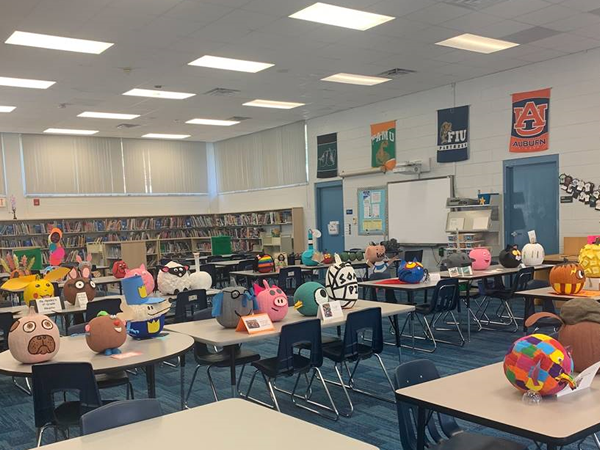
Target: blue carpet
(373, 421)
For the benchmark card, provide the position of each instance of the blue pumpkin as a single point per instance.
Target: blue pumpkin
(411, 272)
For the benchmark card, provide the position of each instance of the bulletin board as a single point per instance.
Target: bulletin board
(372, 211)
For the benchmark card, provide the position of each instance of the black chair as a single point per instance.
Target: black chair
(289, 279)
(54, 378)
(6, 321)
(247, 264)
(504, 312)
(211, 270)
(411, 255)
(444, 433)
(117, 414)
(288, 364)
(444, 302)
(354, 350)
(185, 303)
(215, 258)
(219, 359)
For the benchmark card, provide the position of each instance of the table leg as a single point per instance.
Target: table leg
(421, 423)
(551, 446)
(397, 337)
(232, 374)
(151, 380)
(120, 289)
(182, 380)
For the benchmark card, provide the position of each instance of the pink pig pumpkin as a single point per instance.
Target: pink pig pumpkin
(271, 301)
(481, 257)
(147, 277)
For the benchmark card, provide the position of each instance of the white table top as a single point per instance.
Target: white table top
(485, 394)
(493, 271)
(74, 348)
(398, 286)
(548, 292)
(225, 425)
(210, 332)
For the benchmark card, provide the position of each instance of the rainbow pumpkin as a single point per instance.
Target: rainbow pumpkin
(567, 278)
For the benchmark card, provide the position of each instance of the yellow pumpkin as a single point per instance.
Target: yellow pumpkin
(589, 259)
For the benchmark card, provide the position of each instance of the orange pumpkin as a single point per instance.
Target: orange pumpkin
(567, 278)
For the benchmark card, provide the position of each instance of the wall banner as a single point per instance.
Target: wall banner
(453, 134)
(530, 121)
(383, 145)
(327, 160)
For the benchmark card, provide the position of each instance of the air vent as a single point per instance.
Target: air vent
(239, 118)
(124, 126)
(474, 4)
(221, 92)
(393, 73)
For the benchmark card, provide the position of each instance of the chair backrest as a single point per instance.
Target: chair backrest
(304, 332)
(523, 277)
(247, 264)
(110, 305)
(215, 258)
(445, 295)
(73, 377)
(289, 278)
(358, 322)
(185, 299)
(411, 255)
(6, 321)
(210, 269)
(117, 414)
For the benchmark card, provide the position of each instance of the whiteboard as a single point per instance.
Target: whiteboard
(417, 210)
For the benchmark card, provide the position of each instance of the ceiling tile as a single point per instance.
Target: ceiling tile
(515, 8)
(438, 13)
(547, 15)
(530, 35)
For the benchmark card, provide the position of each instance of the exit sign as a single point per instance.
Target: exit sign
(36, 202)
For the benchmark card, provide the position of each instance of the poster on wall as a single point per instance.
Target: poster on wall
(530, 121)
(383, 145)
(453, 134)
(372, 211)
(327, 160)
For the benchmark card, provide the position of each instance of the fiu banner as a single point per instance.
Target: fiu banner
(383, 145)
(530, 119)
(327, 156)
(453, 134)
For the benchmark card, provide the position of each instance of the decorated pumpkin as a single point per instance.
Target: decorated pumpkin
(265, 264)
(33, 339)
(411, 272)
(345, 256)
(308, 297)
(34, 287)
(38, 289)
(481, 258)
(280, 260)
(375, 253)
(533, 254)
(231, 304)
(589, 259)
(456, 259)
(56, 251)
(145, 315)
(567, 278)
(538, 363)
(271, 300)
(78, 284)
(173, 278)
(510, 257)
(310, 257)
(341, 283)
(147, 277)
(327, 258)
(119, 269)
(200, 280)
(105, 334)
(360, 255)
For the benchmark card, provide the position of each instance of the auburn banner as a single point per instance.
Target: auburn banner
(383, 145)
(530, 121)
(453, 134)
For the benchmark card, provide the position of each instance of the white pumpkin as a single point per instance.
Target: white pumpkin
(533, 254)
(341, 283)
(200, 280)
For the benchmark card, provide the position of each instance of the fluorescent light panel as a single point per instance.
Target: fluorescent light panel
(7, 109)
(219, 123)
(158, 94)
(165, 136)
(341, 17)
(104, 115)
(239, 65)
(70, 131)
(272, 104)
(475, 43)
(25, 83)
(57, 42)
(361, 80)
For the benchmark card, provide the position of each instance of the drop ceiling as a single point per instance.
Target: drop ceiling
(156, 39)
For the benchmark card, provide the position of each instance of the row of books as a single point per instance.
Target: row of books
(169, 248)
(20, 228)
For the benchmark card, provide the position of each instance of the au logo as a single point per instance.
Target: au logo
(530, 118)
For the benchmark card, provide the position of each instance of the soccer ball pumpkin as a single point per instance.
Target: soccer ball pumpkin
(589, 259)
(538, 363)
(341, 283)
(567, 278)
(533, 254)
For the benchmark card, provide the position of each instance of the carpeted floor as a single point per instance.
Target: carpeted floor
(373, 421)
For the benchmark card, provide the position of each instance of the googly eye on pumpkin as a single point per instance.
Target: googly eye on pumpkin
(279, 291)
(79, 284)
(29, 327)
(47, 324)
(580, 274)
(321, 296)
(92, 284)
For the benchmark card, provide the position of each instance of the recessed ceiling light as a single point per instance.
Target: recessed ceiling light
(57, 42)
(217, 62)
(103, 115)
(68, 131)
(341, 17)
(25, 83)
(7, 109)
(165, 136)
(349, 78)
(273, 104)
(158, 94)
(479, 44)
(220, 123)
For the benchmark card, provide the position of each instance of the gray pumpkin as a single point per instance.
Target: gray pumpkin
(458, 259)
(231, 304)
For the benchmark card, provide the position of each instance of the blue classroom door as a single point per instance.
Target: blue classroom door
(531, 201)
(330, 208)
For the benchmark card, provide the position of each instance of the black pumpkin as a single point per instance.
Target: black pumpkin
(510, 257)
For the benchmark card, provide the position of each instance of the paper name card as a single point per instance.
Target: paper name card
(256, 323)
(191, 298)
(435, 277)
(125, 355)
(330, 311)
(81, 300)
(48, 305)
(466, 270)
(532, 237)
(583, 381)
(453, 272)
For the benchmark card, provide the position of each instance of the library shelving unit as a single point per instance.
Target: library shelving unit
(148, 239)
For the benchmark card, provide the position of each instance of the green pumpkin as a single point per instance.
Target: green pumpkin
(360, 256)
(345, 256)
(308, 297)
(352, 256)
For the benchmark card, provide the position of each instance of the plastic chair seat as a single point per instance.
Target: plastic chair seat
(334, 352)
(325, 340)
(69, 413)
(471, 441)
(114, 379)
(223, 358)
(270, 366)
(422, 308)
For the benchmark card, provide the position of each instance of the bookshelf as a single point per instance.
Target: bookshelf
(148, 239)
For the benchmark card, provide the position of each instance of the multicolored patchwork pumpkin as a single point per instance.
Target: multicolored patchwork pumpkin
(265, 264)
(589, 259)
(538, 363)
(567, 278)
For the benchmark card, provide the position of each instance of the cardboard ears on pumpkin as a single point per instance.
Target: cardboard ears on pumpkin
(217, 302)
(22, 282)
